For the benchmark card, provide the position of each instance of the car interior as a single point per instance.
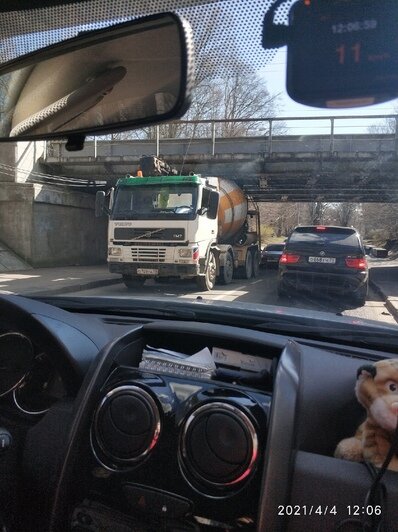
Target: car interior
(112, 418)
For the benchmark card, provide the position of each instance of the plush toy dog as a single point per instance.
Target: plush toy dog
(377, 391)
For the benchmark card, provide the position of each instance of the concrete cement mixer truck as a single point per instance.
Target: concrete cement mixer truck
(189, 227)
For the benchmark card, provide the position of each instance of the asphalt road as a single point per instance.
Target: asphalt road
(260, 290)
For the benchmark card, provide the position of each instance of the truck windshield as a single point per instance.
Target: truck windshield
(160, 202)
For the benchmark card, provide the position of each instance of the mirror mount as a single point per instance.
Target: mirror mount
(274, 35)
(75, 143)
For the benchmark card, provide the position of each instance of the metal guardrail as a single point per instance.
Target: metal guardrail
(271, 138)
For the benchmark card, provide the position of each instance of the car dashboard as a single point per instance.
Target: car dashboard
(100, 442)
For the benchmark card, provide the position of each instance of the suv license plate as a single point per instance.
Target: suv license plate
(147, 271)
(323, 260)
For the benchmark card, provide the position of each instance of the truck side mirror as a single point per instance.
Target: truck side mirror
(100, 203)
(214, 200)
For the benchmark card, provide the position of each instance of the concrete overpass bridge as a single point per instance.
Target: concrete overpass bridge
(47, 194)
(329, 166)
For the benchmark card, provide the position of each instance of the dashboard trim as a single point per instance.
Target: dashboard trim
(23, 410)
(278, 465)
(85, 404)
(14, 386)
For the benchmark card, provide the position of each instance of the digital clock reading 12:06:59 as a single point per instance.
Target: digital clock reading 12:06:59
(358, 25)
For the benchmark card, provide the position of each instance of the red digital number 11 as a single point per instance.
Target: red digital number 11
(356, 50)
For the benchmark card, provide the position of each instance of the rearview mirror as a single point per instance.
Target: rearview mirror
(340, 53)
(126, 76)
(214, 199)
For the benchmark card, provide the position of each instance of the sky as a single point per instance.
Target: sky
(274, 73)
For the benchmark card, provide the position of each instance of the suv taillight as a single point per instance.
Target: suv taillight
(289, 258)
(357, 263)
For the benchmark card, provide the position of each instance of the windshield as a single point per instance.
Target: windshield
(160, 202)
(246, 171)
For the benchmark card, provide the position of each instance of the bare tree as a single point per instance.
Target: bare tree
(344, 213)
(241, 95)
(244, 95)
(316, 212)
(279, 219)
(380, 221)
(388, 126)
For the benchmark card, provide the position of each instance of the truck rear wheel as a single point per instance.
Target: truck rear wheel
(256, 264)
(246, 271)
(227, 271)
(207, 281)
(248, 267)
(133, 282)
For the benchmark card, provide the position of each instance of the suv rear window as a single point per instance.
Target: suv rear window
(325, 236)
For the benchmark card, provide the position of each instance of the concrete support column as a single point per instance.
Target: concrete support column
(7, 162)
(27, 155)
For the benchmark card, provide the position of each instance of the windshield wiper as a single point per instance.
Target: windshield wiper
(186, 210)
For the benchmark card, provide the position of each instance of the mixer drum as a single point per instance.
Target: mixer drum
(232, 210)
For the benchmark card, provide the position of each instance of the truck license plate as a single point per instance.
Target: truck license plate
(323, 260)
(147, 271)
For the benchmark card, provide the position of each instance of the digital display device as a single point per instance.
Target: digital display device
(342, 53)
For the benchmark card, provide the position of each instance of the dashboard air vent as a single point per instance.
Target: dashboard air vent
(126, 426)
(219, 445)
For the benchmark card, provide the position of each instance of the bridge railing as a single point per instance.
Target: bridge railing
(268, 136)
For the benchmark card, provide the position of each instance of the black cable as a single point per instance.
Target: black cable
(376, 495)
(393, 449)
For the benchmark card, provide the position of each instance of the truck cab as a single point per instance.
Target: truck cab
(177, 226)
(159, 228)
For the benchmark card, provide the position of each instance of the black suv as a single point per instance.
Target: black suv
(324, 259)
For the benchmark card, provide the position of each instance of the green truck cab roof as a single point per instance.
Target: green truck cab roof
(160, 180)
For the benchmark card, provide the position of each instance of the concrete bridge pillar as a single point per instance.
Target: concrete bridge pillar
(27, 155)
(18, 160)
(7, 162)
(45, 225)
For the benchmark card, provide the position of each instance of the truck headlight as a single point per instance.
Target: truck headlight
(185, 252)
(114, 252)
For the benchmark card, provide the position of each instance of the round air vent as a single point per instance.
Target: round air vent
(219, 445)
(126, 426)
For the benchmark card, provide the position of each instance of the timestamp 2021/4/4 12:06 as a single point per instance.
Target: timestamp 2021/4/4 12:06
(332, 509)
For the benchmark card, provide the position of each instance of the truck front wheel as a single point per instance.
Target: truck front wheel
(207, 281)
(133, 282)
